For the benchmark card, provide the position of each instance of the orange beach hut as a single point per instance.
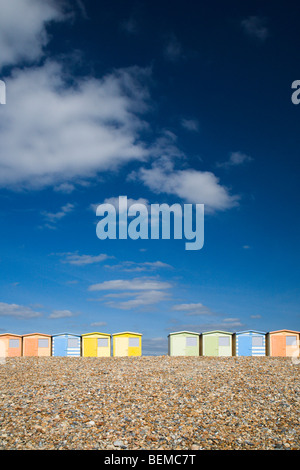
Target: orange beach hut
(10, 345)
(283, 343)
(36, 344)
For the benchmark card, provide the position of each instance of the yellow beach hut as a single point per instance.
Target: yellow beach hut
(96, 344)
(127, 343)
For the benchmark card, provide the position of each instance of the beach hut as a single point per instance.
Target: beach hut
(66, 344)
(283, 343)
(216, 343)
(36, 344)
(127, 343)
(183, 343)
(96, 344)
(249, 343)
(10, 345)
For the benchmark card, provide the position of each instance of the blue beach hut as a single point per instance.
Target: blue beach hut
(250, 343)
(66, 344)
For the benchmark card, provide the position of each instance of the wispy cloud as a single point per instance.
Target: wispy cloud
(193, 309)
(55, 216)
(134, 293)
(141, 299)
(232, 321)
(255, 27)
(190, 124)
(61, 314)
(130, 25)
(65, 188)
(17, 311)
(82, 9)
(82, 260)
(99, 323)
(51, 218)
(155, 346)
(131, 266)
(173, 50)
(235, 159)
(227, 325)
(131, 284)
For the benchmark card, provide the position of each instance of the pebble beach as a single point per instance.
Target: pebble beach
(149, 403)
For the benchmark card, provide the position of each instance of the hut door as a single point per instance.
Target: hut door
(90, 347)
(31, 347)
(278, 346)
(245, 345)
(121, 347)
(212, 346)
(59, 346)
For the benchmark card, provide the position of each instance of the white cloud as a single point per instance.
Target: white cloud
(114, 201)
(255, 27)
(23, 28)
(131, 285)
(61, 314)
(198, 187)
(81, 260)
(56, 133)
(17, 311)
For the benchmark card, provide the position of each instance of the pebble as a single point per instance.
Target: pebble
(120, 444)
(150, 402)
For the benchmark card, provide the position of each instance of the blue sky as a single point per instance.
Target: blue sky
(182, 104)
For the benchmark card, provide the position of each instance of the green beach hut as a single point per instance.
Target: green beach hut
(216, 343)
(184, 343)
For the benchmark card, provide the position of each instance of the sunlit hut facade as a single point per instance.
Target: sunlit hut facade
(127, 343)
(36, 344)
(10, 345)
(283, 343)
(183, 343)
(216, 343)
(96, 344)
(66, 345)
